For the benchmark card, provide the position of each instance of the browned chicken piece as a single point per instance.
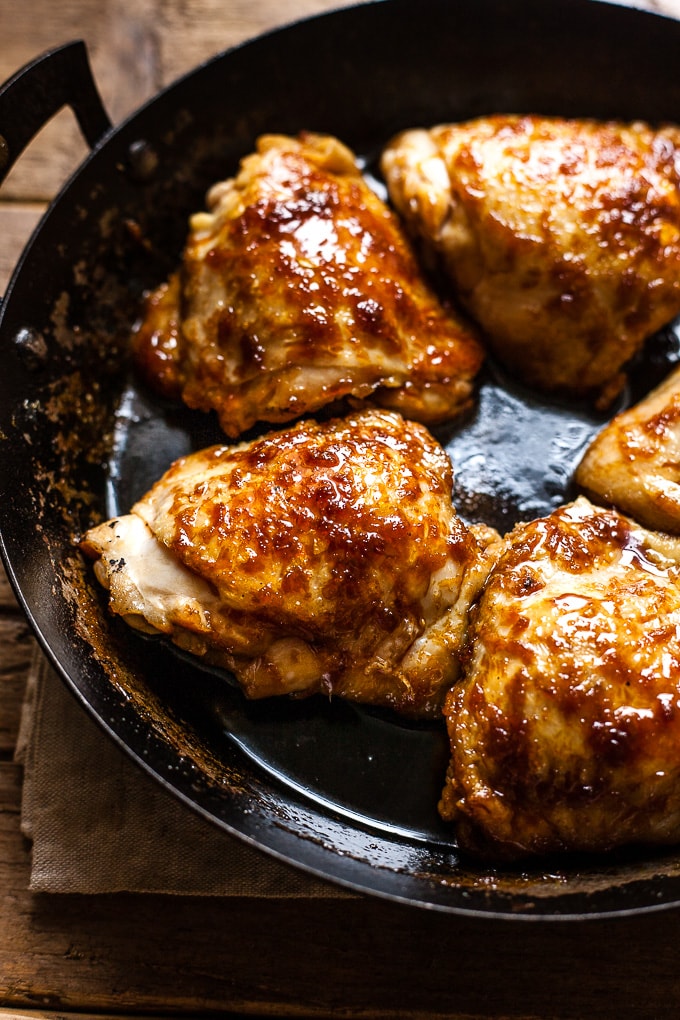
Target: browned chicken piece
(565, 729)
(562, 237)
(299, 288)
(327, 558)
(634, 462)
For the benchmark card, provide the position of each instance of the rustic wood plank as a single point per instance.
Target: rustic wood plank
(207, 27)
(41, 1014)
(16, 650)
(354, 958)
(127, 955)
(7, 600)
(121, 39)
(135, 47)
(124, 955)
(16, 225)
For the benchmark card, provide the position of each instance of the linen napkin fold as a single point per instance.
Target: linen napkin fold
(99, 824)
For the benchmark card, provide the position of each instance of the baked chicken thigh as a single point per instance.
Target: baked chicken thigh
(298, 288)
(326, 558)
(565, 729)
(562, 237)
(634, 462)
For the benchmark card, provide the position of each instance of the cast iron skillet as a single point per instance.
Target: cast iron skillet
(343, 792)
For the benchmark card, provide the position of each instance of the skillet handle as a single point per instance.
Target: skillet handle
(60, 77)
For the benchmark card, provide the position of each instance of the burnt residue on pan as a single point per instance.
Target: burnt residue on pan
(342, 791)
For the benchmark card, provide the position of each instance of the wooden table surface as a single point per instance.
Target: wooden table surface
(128, 955)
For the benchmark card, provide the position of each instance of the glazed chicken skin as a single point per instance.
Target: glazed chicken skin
(325, 558)
(298, 288)
(634, 462)
(561, 237)
(565, 728)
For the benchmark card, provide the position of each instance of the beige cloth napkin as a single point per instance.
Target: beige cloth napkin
(99, 824)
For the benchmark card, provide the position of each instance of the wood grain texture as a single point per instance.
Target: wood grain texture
(7, 600)
(122, 41)
(135, 47)
(17, 221)
(208, 27)
(16, 649)
(127, 956)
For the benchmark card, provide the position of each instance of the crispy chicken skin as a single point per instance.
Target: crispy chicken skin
(634, 462)
(298, 288)
(565, 729)
(562, 237)
(325, 558)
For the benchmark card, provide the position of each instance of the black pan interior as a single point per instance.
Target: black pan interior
(344, 792)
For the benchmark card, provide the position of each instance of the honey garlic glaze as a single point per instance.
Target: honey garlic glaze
(565, 733)
(326, 557)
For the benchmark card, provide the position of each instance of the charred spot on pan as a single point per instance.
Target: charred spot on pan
(143, 161)
(31, 348)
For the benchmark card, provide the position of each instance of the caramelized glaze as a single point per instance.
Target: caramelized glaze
(634, 462)
(565, 730)
(327, 557)
(562, 237)
(299, 288)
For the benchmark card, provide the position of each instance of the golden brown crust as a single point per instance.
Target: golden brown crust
(634, 462)
(562, 236)
(299, 288)
(565, 730)
(331, 559)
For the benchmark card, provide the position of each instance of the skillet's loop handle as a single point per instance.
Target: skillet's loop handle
(60, 77)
